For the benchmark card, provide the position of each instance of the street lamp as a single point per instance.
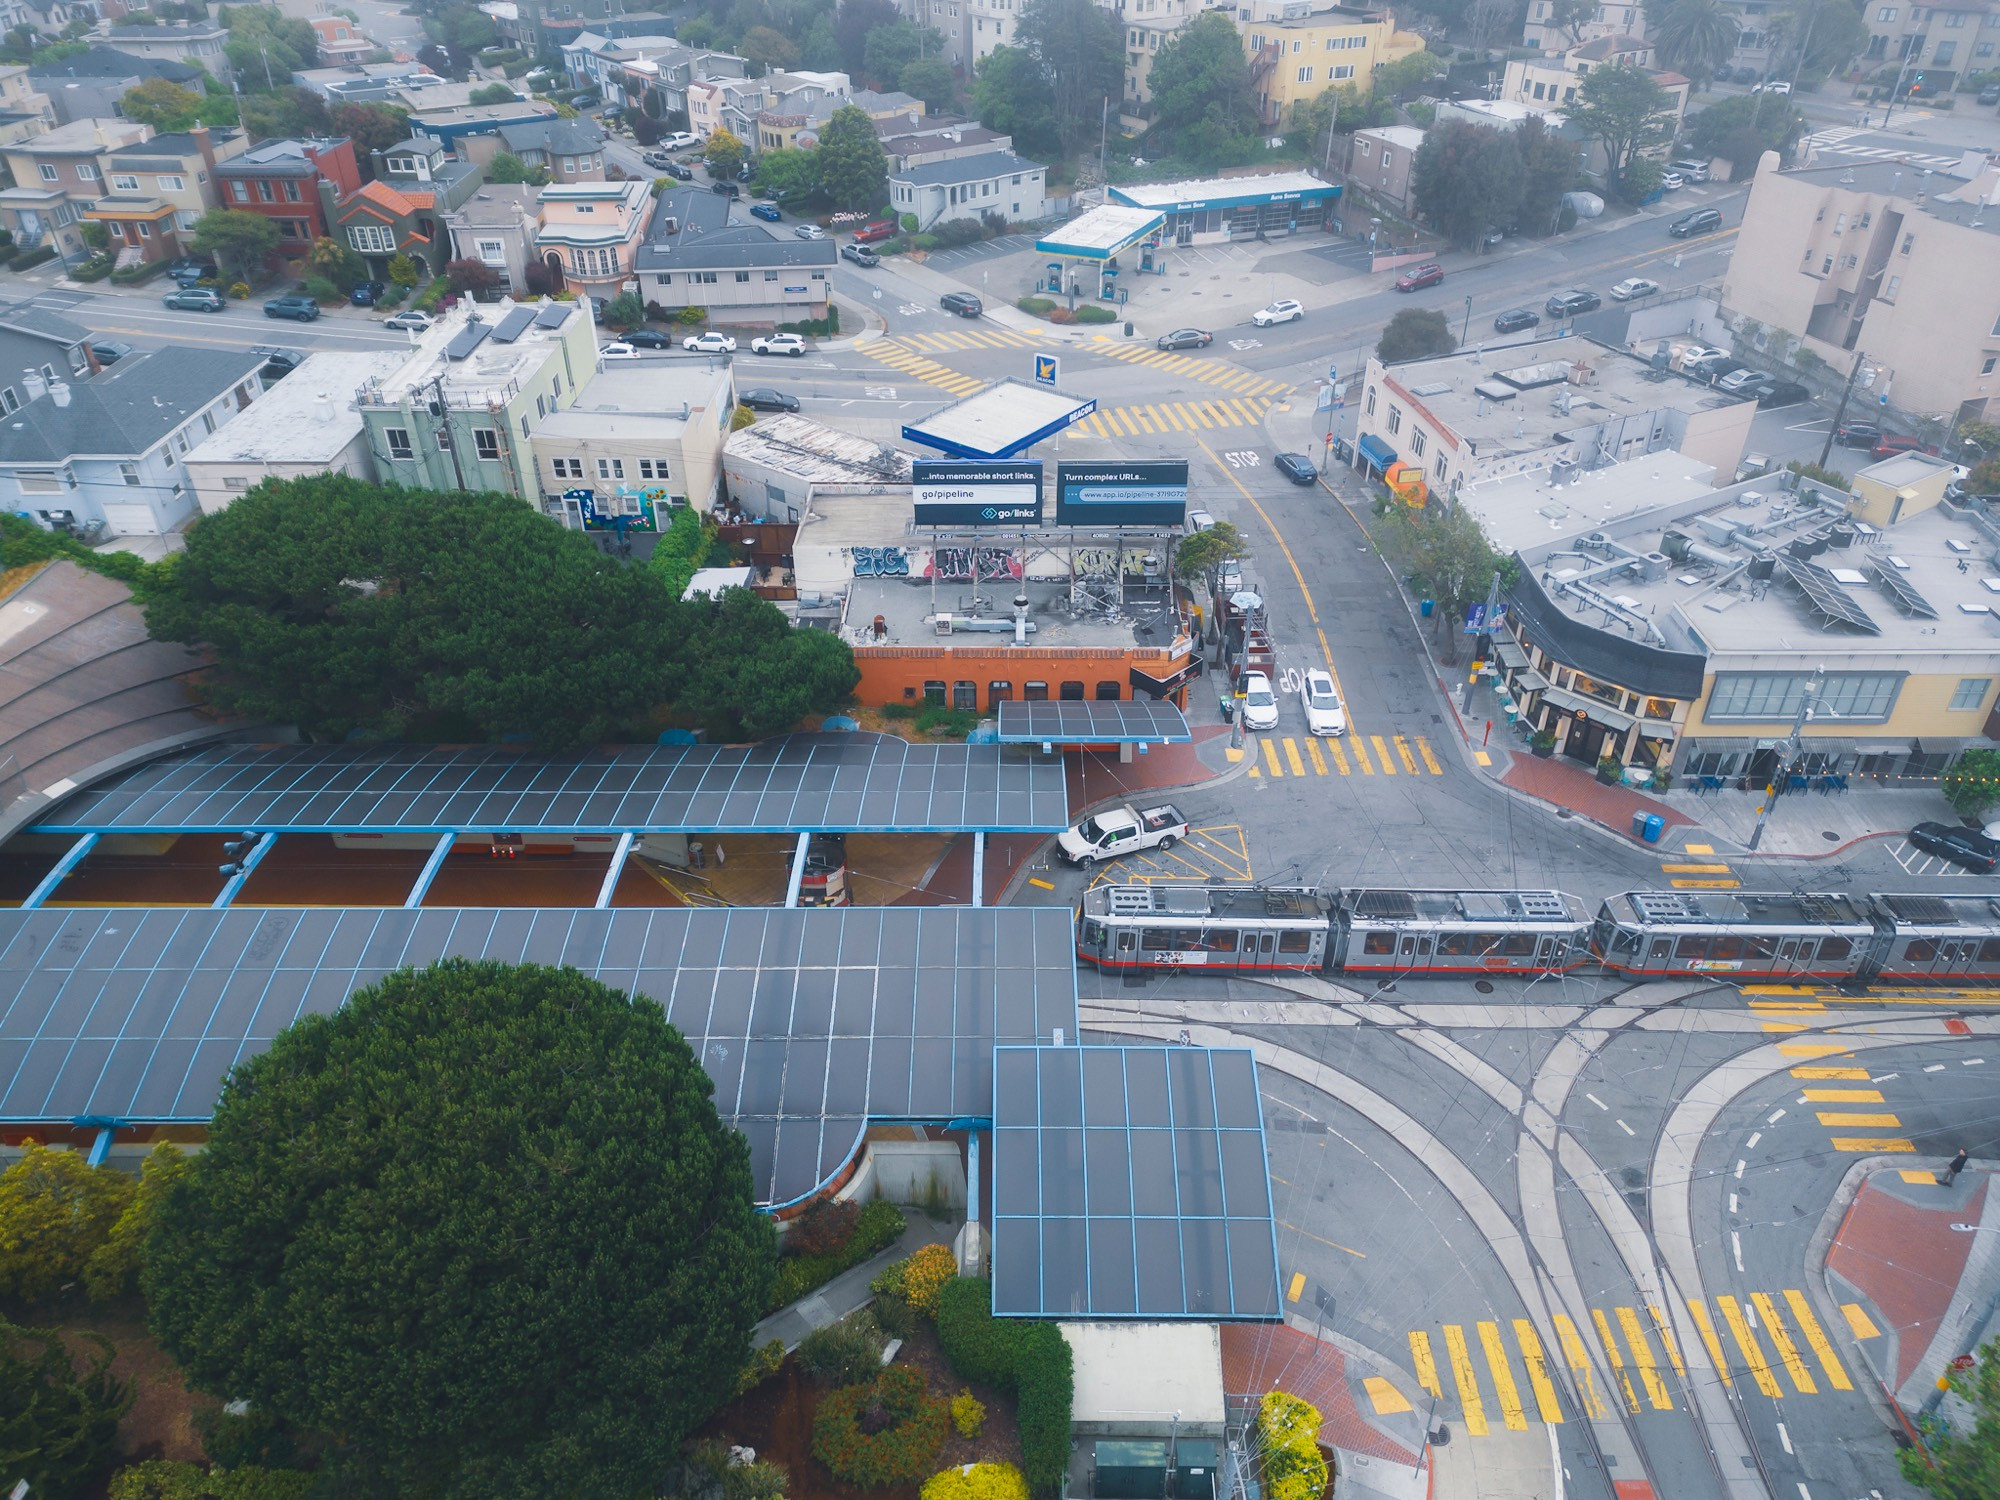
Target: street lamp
(1465, 325)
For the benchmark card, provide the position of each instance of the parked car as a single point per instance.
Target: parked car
(1492, 240)
(1670, 181)
(1260, 704)
(768, 212)
(1990, 94)
(278, 363)
(963, 303)
(1690, 168)
(1568, 304)
(648, 338)
(657, 159)
(1430, 273)
(1184, 338)
(1198, 521)
(876, 229)
(1724, 73)
(1121, 830)
(192, 268)
(1284, 310)
(1892, 443)
(808, 232)
(1962, 846)
(725, 187)
(617, 349)
(1297, 467)
(1321, 702)
(679, 171)
(110, 351)
(1711, 366)
(1783, 393)
(779, 343)
(1516, 319)
(365, 294)
(1772, 86)
(411, 321)
(196, 299)
(861, 255)
(1858, 434)
(1634, 286)
(763, 398)
(301, 309)
(1746, 382)
(680, 140)
(1701, 221)
(709, 343)
(584, 100)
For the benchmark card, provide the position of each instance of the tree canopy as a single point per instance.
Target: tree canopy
(492, 93)
(1415, 333)
(1200, 83)
(931, 80)
(240, 241)
(1010, 95)
(853, 168)
(162, 104)
(58, 1429)
(724, 152)
(507, 167)
(1697, 37)
(1621, 108)
(1742, 129)
(1468, 179)
(851, 25)
(1956, 1465)
(1075, 49)
(1568, 18)
(482, 1225)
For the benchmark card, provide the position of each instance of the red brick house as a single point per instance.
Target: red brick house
(281, 180)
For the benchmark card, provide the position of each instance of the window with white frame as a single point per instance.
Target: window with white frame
(611, 468)
(39, 481)
(398, 439)
(1344, 70)
(486, 443)
(372, 239)
(493, 252)
(86, 171)
(170, 183)
(124, 183)
(566, 468)
(653, 468)
(1395, 420)
(1417, 441)
(130, 474)
(49, 173)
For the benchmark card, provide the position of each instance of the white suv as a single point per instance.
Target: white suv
(1260, 704)
(1321, 701)
(1284, 310)
(779, 343)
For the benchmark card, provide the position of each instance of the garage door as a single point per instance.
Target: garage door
(130, 520)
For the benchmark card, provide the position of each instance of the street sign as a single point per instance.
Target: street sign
(1333, 372)
(1326, 398)
(1045, 370)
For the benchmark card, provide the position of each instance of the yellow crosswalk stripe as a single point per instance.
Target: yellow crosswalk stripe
(1312, 749)
(1872, 1145)
(1842, 1096)
(1667, 1342)
(1251, 415)
(1610, 1342)
(1403, 754)
(1298, 1285)
(1858, 1322)
(1815, 1336)
(1173, 416)
(1812, 1072)
(1197, 415)
(1427, 1370)
(1143, 418)
(1382, 754)
(1642, 1357)
(1468, 1382)
(1849, 1117)
(1810, 1049)
(1538, 1372)
(1503, 1378)
(1699, 1312)
(1695, 869)
(1578, 1360)
(1787, 1350)
(1746, 1341)
(1430, 760)
(1271, 758)
(1292, 756)
(1361, 755)
(1339, 755)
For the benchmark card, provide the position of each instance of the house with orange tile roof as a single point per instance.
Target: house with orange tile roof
(417, 182)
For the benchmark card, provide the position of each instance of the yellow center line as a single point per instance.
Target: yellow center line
(1699, 1311)
(1746, 1341)
(1271, 758)
(1802, 1314)
(1427, 1370)
(1787, 1351)
(1610, 1342)
(1468, 1382)
(1292, 756)
(1503, 1378)
(1642, 1356)
(1330, 1244)
(1538, 1372)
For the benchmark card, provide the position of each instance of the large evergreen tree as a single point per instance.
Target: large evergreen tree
(853, 169)
(1075, 46)
(1202, 98)
(1467, 179)
(1621, 108)
(1011, 95)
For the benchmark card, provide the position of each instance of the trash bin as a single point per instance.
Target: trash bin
(1228, 711)
(1128, 328)
(1655, 826)
(1425, 607)
(1638, 825)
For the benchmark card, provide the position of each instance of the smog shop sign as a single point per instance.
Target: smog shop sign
(977, 494)
(1109, 494)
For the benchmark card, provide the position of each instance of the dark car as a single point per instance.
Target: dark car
(278, 363)
(196, 299)
(110, 351)
(1428, 274)
(188, 269)
(1712, 367)
(1568, 304)
(763, 398)
(678, 171)
(1962, 846)
(1701, 221)
(583, 101)
(301, 309)
(765, 211)
(1297, 467)
(647, 338)
(1892, 443)
(1516, 320)
(1990, 94)
(1858, 434)
(1185, 338)
(861, 255)
(1784, 393)
(365, 294)
(963, 303)
(727, 188)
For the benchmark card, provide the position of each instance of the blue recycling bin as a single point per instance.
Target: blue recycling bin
(1648, 826)
(1425, 606)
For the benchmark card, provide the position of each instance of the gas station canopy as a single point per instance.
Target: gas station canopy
(1000, 421)
(1102, 233)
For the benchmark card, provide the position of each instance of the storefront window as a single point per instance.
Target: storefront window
(1661, 709)
(1603, 692)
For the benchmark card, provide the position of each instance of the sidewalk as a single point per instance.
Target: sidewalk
(848, 1292)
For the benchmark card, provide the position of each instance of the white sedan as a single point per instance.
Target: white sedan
(709, 343)
(680, 140)
(808, 231)
(411, 321)
(779, 343)
(1284, 310)
(617, 351)
(1321, 701)
(1633, 286)
(1260, 704)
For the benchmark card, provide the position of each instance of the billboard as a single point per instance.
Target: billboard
(1135, 494)
(951, 493)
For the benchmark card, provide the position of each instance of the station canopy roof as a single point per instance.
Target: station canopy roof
(1101, 233)
(1000, 421)
(836, 783)
(1131, 1181)
(1250, 190)
(1126, 721)
(810, 1022)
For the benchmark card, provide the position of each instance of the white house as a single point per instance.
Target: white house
(969, 187)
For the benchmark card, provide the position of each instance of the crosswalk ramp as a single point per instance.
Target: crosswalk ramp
(1501, 1373)
(1208, 370)
(1698, 870)
(1175, 416)
(1274, 758)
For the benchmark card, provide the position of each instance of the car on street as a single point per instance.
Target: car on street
(1297, 467)
(278, 363)
(808, 232)
(1891, 443)
(1701, 221)
(1772, 86)
(196, 299)
(1198, 521)
(1121, 830)
(709, 343)
(1284, 310)
(963, 303)
(680, 140)
(768, 212)
(1430, 273)
(1990, 94)
(1514, 320)
(1783, 393)
(1671, 180)
(1184, 338)
(861, 255)
(1634, 286)
(779, 343)
(365, 294)
(300, 309)
(1858, 434)
(110, 351)
(648, 338)
(1688, 167)
(1260, 704)
(763, 398)
(655, 158)
(679, 171)
(1568, 304)
(1321, 701)
(410, 321)
(725, 187)
(617, 349)
(1962, 846)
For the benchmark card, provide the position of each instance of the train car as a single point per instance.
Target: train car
(1780, 935)
(1934, 939)
(1239, 928)
(1395, 933)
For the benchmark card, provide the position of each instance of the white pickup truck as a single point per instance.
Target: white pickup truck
(1122, 830)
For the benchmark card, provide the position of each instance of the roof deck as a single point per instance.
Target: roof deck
(982, 615)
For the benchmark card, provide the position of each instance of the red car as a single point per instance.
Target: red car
(1428, 274)
(1896, 443)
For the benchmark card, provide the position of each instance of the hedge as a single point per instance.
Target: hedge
(428, 299)
(160, 1479)
(96, 268)
(1032, 1359)
(879, 1227)
(816, 328)
(28, 259)
(145, 270)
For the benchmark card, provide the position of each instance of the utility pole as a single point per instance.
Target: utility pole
(441, 409)
(1826, 448)
(1788, 750)
(1465, 324)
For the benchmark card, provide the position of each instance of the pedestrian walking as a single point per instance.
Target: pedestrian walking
(1952, 1169)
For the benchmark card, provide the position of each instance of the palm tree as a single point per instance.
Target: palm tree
(1697, 37)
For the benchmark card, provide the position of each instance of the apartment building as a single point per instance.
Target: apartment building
(25, 111)
(1956, 37)
(1380, 161)
(496, 226)
(1300, 53)
(57, 175)
(641, 441)
(971, 28)
(651, 73)
(591, 232)
(199, 43)
(160, 188)
(282, 181)
(1614, 18)
(738, 273)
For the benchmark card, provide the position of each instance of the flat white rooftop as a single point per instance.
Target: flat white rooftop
(1000, 421)
(1101, 233)
(1142, 1374)
(819, 454)
(1164, 195)
(646, 398)
(308, 417)
(1537, 509)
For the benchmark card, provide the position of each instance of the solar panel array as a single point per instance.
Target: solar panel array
(1131, 1182)
(1825, 597)
(467, 339)
(1902, 591)
(837, 783)
(811, 1022)
(517, 322)
(1093, 723)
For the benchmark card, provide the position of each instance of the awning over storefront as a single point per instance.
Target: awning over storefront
(1173, 682)
(1658, 729)
(1531, 682)
(1375, 453)
(1598, 713)
(1511, 655)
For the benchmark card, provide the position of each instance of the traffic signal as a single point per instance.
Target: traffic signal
(1917, 84)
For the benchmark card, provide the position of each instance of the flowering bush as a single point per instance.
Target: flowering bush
(1288, 1430)
(925, 1275)
(887, 1432)
(968, 1415)
(977, 1482)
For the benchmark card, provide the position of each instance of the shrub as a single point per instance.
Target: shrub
(968, 1415)
(887, 1432)
(879, 1226)
(27, 260)
(252, 1438)
(404, 271)
(239, 290)
(894, 1314)
(764, 1362)
(1092, 312)
(471, 277)
(925, 1275)
(96, 268)
(980, 1347)
(954, 232)
(320, 289)
(56, 1211)
(1288, 1432)
(818, 328)
(824, 1228)
(1061, 315)
(844, 1353)
(1030, 1358)
(430, 296)
(977, 1482)
(1035, 307)
(145, 270)
(162, 1479)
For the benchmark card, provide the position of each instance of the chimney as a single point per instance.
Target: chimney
(36, 385)
(204, 145)
(323, 407)
(59, 392)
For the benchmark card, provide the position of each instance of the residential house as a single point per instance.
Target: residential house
(25, 111)
(57, 175)
(417, 182)
(473, 130)
(35, 339)
(1554, 81)
(340, 40)
(596, 61)
(919, 148)
(642, 440)
(93, 85)
(1879, 259)
(730, 104)
(539, 28)
(1380, 162)
(409, 85)
(797, 107)
(1958, 36)
(656, 80)
(200, 43)
(693, 256)
(460, 410)
(591, 232)
(496, 227)
(160, 188)
(107, 451)
(1296, 58)
(282, 180)
(568, 150)
(969, 187)
(1611, 18)
(309, 423)
(973, 28)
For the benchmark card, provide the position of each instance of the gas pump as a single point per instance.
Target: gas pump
(1055, 279)
(1107, 284)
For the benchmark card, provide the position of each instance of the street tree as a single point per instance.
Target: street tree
(1697, 37)
(1441, 553)
(56, 1211)
(241, 242)
(1567, 18)
(1202, 99)
(894, 47)
(1956, 1464)
(1415, 333)
(752, 674)
(162, 104)
(1972, 785)
(482, 1225)
(1742, 129)
(1075, 45)
(1011, 95)
(624, 312)
(1548, 170)
(1815, 36)
(760, 44)
(788, 172)
(1467, 179)
(58, 1428)
(1621, 108)
(724, 153)
(492, 93)
(853, 169)
(851, 24)
(931, 80)
(1207, 549)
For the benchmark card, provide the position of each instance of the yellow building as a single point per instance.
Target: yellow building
(1300, 57)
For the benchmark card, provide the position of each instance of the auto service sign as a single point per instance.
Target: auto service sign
(977, 494)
